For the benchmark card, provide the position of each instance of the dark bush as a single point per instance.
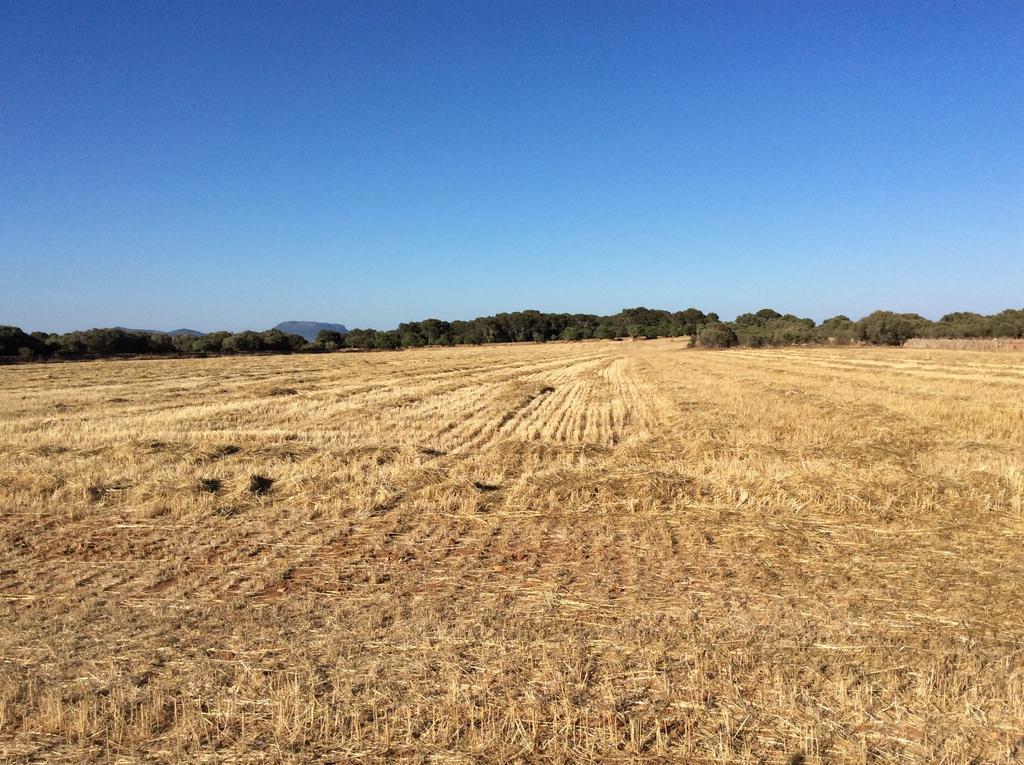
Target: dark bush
(243, 342)
(888, 328)
(717, 335)
(15, 342)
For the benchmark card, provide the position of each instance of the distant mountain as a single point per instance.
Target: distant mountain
(309, 329)
(189, 332)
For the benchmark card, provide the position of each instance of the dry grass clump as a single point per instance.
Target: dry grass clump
(589, 552)
(967, 344)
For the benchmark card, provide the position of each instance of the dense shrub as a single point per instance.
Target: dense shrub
(839, 329)
(963, 324)
(771, 328)
(329, 340)
(717, 335)
(888, 328)
(573, 333)
(211, 343)
(243, 342)
(15, 342)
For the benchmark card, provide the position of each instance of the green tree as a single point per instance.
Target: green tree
(888, 328)
(573, 333)
(243, 342)
(606, 330)
(838, 329)
(15, 342)
(329, 339)
(717, 335)
(211, 343)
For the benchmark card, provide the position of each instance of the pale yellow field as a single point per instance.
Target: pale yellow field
(546, 553)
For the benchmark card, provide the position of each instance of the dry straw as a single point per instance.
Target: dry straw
(590, 552)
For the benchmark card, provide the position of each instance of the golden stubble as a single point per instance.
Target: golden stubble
(588, 552)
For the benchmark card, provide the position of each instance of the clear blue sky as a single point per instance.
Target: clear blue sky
(222, 165)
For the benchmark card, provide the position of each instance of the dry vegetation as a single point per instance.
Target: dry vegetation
(573, 552)
(967, 344)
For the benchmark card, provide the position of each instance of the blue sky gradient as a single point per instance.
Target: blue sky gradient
(233, 165)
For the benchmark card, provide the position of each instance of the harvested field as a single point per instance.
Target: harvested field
(614, 552)
(967, 344)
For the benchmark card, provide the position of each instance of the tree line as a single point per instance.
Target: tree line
(764, 328)
(99, 343)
